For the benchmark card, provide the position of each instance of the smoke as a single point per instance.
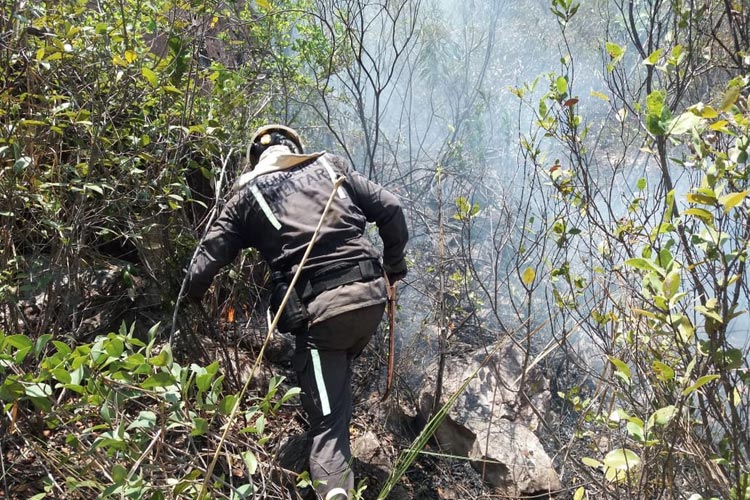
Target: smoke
(428, 111)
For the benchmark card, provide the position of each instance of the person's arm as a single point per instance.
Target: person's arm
(384, 209)
(221, 245)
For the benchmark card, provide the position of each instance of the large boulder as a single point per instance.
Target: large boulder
(493, 420)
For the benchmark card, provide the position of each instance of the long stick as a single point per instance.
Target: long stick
(271, 328)
(391, 339)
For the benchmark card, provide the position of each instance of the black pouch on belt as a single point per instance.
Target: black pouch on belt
(295, 318)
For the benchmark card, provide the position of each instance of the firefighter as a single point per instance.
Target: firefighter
(340, 297)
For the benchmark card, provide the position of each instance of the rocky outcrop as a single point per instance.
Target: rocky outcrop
(493, 420)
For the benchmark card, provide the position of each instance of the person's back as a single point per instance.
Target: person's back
(342, 291)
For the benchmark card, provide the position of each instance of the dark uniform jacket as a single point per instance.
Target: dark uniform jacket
(277, 213)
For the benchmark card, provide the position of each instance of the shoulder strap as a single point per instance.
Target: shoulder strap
(332, 175)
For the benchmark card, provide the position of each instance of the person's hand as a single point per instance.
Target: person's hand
(394, 277)
(396, 272)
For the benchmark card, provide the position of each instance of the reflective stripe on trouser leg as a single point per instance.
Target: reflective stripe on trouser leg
(330, 452)
(325, 405)
(331, 345)
(337, 494)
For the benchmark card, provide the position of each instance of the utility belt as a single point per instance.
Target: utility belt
(337, 275)
(295, 317)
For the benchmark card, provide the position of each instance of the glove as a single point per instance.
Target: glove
(395, 272)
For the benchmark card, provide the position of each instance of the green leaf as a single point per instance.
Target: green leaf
(62, 348)
(150, 76)
(33, 123)
(528, 276)
(653, 58)
(41, 342)
(61, 375)
(561, 84)
(161, 379)
(260, 424)
(591, 462)
(658, 114)
(635, 429)
(242, 492)
(704, 111)
(730, 359)
(251, 462)
(203, 381)
(114, 347)
(668, 213)
(579, 494)
(153, 331)
(78, 389)
(663, 371)
(644, 265)
(136, 363)
(294, 391)
(730, 97)
(200, 427)
(164, 358)
(21, 164)
(685, 329)
(146, 420)
(614, 50)
(619, 415)
(616, 54)
(671, 283)
(704, 215)
(40, 395)
(119, 473)
(543, 109)
(719, 125)
(38, 390)
(621, 459)
(227, 404)
(622, 370)
(699, 383)
(11, 389)
(93, 187)
(709, 311)
(731, 200)
(684, 123)
(263, 4)
(18, 341)
(701, 198)
(172, 89)
(662, 416)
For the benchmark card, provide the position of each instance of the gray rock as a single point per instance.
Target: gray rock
(368, 449)
(493, 420)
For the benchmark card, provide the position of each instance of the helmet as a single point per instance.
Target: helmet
(271, 135)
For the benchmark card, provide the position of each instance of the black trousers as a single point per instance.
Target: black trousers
(323, 362)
